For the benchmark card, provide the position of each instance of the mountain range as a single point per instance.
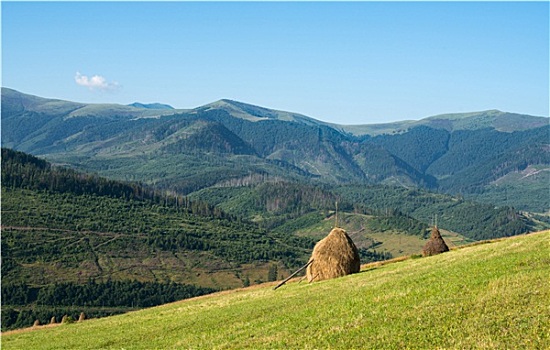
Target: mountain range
(493, 156)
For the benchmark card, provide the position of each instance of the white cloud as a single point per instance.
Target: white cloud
(96, 82)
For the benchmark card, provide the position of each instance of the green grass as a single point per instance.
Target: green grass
(492, 295)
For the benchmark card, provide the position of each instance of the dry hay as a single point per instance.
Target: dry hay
(435, 245)
(334, 256)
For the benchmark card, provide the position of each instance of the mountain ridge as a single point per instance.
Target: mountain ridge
(186, 150)
(256, 113)
(495, 119)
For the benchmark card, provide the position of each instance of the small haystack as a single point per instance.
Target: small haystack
(334, 256)
(435, 245)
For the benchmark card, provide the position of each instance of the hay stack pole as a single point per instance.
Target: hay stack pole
(336, 216)
(334, 256)
(293, 274)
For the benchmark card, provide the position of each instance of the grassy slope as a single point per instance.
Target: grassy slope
(484, 296)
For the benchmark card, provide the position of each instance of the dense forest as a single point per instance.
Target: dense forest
(287, 207)
(474, 220)
(68, 200)
(21, 170)
(22, 304)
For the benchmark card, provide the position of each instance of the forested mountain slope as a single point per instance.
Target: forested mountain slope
(188, 150)
(64, 232)
(466, 161)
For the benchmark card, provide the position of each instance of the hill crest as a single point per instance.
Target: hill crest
(501, 121)
(255, 113)
(151, 105)
(490, 119)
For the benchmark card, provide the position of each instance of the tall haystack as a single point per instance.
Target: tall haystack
(435, 245)
(334, 256)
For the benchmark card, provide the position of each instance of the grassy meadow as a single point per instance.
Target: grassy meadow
(492, 295)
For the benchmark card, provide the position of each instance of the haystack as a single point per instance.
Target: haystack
(435, 245)
(334, 256)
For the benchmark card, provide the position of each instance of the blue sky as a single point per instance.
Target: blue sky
(342, 62)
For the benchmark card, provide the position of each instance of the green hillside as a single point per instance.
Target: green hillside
(255, 113)
(29, 105)
(490, 296)
(63, 230)
(292, 207)
(60, 225)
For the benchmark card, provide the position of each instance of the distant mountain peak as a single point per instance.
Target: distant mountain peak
(225, 102)
(151, 105)
(256, 113)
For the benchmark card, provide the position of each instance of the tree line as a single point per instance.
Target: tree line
(23, 304)
(21, 170)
